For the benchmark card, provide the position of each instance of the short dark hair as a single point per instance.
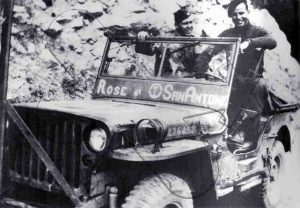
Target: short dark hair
(233, 4)
(182, 14)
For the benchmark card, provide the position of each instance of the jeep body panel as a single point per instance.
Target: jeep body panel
(120, 113)
(170, 150)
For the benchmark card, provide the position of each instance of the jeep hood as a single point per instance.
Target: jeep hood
(120, 112)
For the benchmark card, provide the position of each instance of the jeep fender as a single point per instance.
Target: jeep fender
(281, 128)
(170, 149)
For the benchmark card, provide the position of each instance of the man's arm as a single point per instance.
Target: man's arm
(262, 40)
(143, 47)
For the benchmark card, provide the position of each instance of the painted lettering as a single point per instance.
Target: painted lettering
(182, 130)
(155, 90)
(101, 86)
(168, 89)
(190, 93)
(197, 98)
(117, 90)
(109, 90)
(181, 97)
(168, 92)
(123, 91)
(179, 131)
(174, 95)
(105, 89)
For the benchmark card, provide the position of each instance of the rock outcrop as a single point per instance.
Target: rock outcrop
(57, 47)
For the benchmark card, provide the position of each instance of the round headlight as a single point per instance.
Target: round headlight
(98, 139)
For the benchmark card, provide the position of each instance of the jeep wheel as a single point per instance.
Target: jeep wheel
(270, 191)
(160, 191)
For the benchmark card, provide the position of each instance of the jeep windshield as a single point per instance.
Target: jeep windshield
(184, 59)
(177, 70)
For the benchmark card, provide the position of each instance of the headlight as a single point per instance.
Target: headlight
(98, 139)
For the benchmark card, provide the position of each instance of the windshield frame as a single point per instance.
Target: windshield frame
(176, 39)
(192, 40)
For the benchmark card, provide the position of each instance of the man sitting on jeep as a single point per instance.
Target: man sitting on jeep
(249, 89)
(180, 61)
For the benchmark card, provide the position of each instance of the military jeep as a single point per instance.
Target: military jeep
(145, 139)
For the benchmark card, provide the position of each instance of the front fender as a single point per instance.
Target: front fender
(170, 149)
(282, 127)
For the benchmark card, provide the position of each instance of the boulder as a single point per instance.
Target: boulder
(15, 30)
(108, 3)
(96, 63)
(81, 1)
(53, 29)
(97, 52)
(90, 9)
(17, 46)
(40, 4)
(31, 47)
(67, 16)
(41, 19)
(97, 23)
(69, 40)
(21, 17)
(49, 60)
(19, 9)
(77, 23)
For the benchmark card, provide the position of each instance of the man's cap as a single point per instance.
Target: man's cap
(233, 4)
(182, 14)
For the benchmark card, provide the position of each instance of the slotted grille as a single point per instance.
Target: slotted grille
(60, 136)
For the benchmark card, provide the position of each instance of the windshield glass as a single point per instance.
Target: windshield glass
(190, 60)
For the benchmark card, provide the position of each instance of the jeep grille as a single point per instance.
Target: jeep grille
(60, 136)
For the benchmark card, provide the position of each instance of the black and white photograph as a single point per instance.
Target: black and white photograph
(149, 104)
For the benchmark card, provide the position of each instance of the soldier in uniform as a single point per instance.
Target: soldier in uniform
(187, 60)
(249, 89)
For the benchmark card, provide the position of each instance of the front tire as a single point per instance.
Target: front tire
(160, 191)
(270, 191)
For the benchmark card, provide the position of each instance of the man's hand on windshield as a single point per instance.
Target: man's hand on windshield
(244, 45)
(142, 36)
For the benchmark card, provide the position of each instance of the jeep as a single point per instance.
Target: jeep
(146, 138)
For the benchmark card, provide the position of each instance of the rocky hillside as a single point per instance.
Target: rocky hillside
(57, 44)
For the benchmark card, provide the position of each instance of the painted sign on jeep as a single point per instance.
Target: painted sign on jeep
(211, 96)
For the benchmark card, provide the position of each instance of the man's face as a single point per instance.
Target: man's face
(185, 27)
(240, 15)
